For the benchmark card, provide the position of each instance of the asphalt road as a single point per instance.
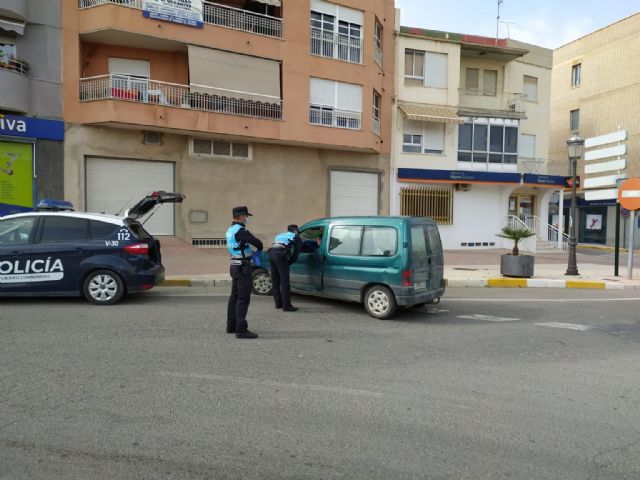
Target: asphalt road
(490, 384)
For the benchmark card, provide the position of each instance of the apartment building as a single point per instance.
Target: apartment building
(471, 135)
(595, 91)
(281, 105)
(31, 127)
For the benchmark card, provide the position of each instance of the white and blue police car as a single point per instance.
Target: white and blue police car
(55, 251)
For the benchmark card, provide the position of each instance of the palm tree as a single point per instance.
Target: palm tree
(516, 234)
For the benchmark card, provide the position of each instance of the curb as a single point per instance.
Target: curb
(498, 282)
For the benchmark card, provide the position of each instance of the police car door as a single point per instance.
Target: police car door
(63, 242)
(16, 241)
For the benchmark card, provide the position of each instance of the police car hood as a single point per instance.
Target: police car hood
(147, 204)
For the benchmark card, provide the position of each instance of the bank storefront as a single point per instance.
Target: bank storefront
(31, 162)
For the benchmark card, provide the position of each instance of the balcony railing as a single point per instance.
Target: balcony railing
(336, 45)
(332, 117)
(216, 14)
(533, 165)
(208, 99)
(506, 105)
(14, 64)
(377, 55)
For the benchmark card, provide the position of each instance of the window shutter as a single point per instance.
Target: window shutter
(530, 88)
(412, 127)
(349, 97)
(322, 92)
(490, 79)
(434, 136)
(321, 6)
(126, 66)
(436, 70)
(472, 79)
(527, 146)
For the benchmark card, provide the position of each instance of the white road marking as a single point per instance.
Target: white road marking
(488, 318)
(437, 310)
(568, 326)
(271, 383)
(547, 300)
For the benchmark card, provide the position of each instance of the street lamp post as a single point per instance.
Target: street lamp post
(575, 145)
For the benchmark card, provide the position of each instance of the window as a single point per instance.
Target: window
(413, 67)
(530, 88)
(490, 82)
(432, 202)
(574, 120)
(345, 240)
(102, 230)
(492, 143)
(336, 31)
(376, 112)
(130, 78)
(377, 42)
(64, 229)
(425, 68)
(16, 231)
(472, 80)
(220, 148)
(379, 242)
(7, 49)
(335, 104)
(527, 146)
(423, 137)
(576, 75)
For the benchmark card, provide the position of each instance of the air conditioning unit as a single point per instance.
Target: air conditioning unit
(462, 187)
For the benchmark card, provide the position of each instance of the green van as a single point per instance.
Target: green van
(382, 262)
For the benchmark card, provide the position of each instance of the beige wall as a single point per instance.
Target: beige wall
(280, 184)
(609, 94)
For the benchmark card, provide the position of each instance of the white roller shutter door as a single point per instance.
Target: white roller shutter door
(354, 193)
(112, 186)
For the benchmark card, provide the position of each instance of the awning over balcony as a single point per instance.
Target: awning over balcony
(242, 75)
(427, 113)
(11, 25)
(275, 3)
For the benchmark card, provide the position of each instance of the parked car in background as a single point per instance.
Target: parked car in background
(382, 262)
(56, 251)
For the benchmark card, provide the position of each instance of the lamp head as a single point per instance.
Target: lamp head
(575, 144)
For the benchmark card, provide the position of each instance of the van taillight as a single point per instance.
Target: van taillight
(406, 278)
(137, 249)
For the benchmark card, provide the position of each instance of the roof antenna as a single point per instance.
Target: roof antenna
(498, 21)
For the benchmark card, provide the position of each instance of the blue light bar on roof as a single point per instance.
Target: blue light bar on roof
(51, 205)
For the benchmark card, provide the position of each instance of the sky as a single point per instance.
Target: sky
(547, 23)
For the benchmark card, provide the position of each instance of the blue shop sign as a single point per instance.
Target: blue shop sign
(582, 203)
(457, 176)
(534, 179)
(41, 128)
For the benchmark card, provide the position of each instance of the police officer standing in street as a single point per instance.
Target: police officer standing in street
(239, 242)
(284, 252)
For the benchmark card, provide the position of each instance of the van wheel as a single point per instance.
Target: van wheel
(103, 287)
(261, 282)
(379, 302)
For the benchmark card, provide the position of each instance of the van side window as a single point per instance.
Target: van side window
(345, 240)
(379, 241)
(418, 241)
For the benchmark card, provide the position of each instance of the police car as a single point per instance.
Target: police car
(55, 251)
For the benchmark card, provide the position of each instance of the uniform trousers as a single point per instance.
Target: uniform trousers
(280, 277)
(240, 297)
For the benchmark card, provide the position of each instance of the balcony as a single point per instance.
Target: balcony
(473, 103)
(14, 9)
(202, 98)
(14, 85)
(332, 117)
(533, 165)
(215, 14)
(336, 45)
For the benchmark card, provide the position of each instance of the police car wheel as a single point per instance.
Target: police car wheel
(379, 302)
(261, 284)
(103, 287)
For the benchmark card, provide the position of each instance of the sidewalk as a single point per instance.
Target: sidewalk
(188, 266)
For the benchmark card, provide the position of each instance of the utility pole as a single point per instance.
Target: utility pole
(498, 21)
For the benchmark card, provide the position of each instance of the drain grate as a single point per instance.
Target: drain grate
(209, 242)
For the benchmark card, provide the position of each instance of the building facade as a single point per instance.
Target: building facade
(471, 135)
(595, 91)
(284, 106)
(31, 127)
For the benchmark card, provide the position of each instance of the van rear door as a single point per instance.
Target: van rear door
(436, 256)
(427, 258)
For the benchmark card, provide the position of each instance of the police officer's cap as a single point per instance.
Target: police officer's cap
(243, 210)
(292, 228)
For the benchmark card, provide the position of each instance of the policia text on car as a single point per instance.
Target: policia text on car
(239, 243)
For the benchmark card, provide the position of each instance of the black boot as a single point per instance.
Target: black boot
(290, 308)
(246, 334)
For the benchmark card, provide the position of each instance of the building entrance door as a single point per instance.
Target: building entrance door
(523, 207)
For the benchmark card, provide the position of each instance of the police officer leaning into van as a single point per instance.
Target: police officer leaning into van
(239, 242)
(284, 252)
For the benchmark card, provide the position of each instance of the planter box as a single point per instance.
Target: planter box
(517, 266)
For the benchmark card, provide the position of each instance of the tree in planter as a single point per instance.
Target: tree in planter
(516, 234)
